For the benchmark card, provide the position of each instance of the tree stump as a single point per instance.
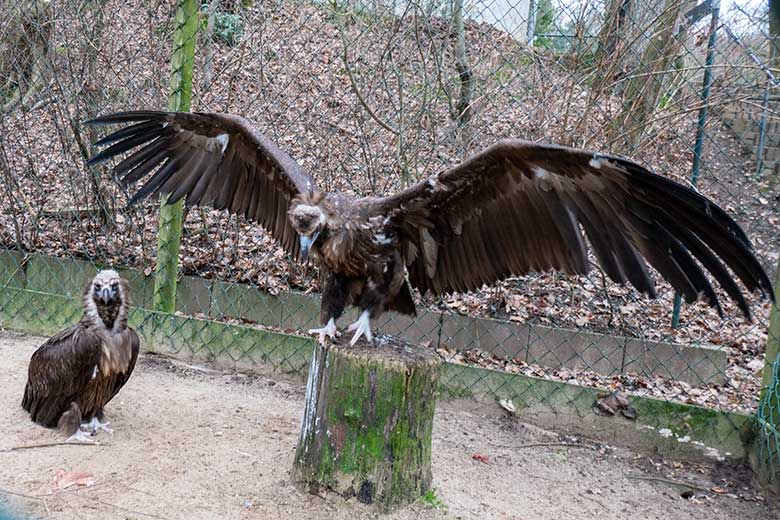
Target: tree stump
(366, 428)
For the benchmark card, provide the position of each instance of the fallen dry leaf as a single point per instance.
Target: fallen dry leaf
(615, 402)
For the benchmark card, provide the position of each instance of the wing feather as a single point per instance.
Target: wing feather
(58, 372)
(519, 207)
(217, 160)
(137, 165)
(135, 346)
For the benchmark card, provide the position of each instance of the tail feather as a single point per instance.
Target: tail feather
(403, 302)
(27, 400)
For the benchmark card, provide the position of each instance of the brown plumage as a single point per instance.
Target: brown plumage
(78, 371)
(515, 207)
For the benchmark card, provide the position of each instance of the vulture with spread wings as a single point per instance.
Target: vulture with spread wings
(513, 208)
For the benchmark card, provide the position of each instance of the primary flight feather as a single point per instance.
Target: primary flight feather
(513, 208)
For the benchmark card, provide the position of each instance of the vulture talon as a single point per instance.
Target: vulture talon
(362, 327)
(94, 425)
(81, 437)
(328, 330)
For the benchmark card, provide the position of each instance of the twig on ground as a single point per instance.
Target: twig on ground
(23, 495)
(51, 444)
(672, 482)
(126, 510)
(543, 445)
(44, 496)
(592, 499)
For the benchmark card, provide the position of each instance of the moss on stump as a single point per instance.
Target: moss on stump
(366, 428)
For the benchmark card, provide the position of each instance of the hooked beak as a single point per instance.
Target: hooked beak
(307, 242)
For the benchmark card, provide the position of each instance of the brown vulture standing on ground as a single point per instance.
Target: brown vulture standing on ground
(515, 207)
(77, 372)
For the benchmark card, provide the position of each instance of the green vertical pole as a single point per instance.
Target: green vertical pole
(773, 337)
(179, 100)
(697, 147)
(765, 456)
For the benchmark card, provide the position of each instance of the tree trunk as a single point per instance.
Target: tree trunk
(613, 30)
(24, 51)
(91, 95)
(774, 62)
(465, 76)
(179, 100)
(774, 29)
(765, 447)
(367, 421)
(766, 443)
(641, 95)
(208, 38)
(773, 338)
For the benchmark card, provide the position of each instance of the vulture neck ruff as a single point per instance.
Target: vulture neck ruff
(110, 317)
(311, 213)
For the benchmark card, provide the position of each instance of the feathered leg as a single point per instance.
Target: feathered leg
(70, 424)
(334, 300)
(371, 304)
(70, 421)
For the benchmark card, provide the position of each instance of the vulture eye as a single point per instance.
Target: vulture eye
(97, 286)
(114, 285)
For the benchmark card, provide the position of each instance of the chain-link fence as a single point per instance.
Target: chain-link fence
(369, 97)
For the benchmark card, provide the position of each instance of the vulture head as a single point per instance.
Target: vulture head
(308, 218)
(106, 298)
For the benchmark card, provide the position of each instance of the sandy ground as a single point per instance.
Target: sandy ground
(200, 443)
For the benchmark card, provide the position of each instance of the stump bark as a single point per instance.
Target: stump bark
(367, 421)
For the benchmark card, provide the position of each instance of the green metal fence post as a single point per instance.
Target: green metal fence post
(179, 99)
(700, 133)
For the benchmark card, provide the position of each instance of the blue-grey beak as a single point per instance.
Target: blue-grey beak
(307, 242)
(105, 294)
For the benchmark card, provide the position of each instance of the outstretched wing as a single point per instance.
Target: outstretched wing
(219, 160)
(58, 372)
(518, 207)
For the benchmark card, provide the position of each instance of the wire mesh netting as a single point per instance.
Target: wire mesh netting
(767, 451)
(370, 97)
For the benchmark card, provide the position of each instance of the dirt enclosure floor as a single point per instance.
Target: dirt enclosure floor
(194, 442)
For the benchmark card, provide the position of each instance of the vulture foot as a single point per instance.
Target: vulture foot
(328, 330)
(362, 327)
(94, 425)
(81, 437)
